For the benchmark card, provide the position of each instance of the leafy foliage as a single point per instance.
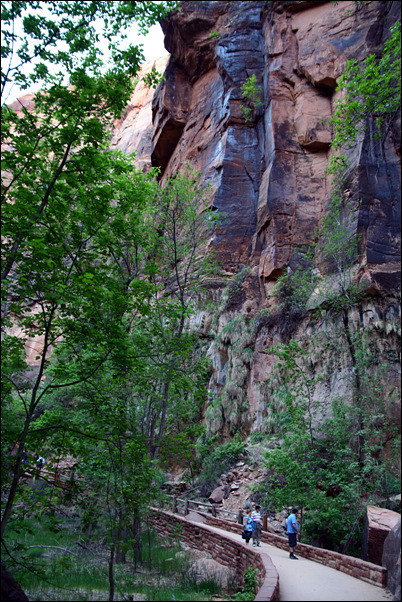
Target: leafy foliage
(371, 89)
(292, 290)
(100, 269)
(44, 41)
(252, 94)
(217, 461)
(330, 455)
(249, 586)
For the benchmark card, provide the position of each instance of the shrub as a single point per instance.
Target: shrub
(252, 94)
(249, 587)
(219, 460)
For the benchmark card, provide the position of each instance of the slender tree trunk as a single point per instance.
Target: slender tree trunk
(149, 549)
(121, 534)
(16, 475)
(30, 412)
(111, 575)
(137, 548)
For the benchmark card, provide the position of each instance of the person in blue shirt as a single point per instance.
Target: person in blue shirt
(248, 525)
(292, 529)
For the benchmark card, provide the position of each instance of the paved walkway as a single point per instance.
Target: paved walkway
(304, 580)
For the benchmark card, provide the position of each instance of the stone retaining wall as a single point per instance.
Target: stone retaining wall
(360, 569)
(223, 549)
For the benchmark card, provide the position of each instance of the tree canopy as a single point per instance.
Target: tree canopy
(99, 267)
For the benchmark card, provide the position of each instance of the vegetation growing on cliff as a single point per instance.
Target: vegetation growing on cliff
(252, 95)
(371, 91)
(332, 455)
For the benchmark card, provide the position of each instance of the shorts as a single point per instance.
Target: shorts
(292, 540)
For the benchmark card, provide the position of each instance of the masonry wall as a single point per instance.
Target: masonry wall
(222, 549)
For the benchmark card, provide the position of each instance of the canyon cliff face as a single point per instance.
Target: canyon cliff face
(268, 176)
(267, 180)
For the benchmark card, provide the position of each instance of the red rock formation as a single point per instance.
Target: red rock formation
(268, 176)
(133, 131)
(379, 523)
(391, 560)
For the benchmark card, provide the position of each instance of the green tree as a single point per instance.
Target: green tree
(67, 286)
(180, 269)
(130, 381)
(331, 450)
(65, 197)
(45, 42)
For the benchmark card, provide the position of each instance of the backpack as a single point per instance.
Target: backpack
(250, 524)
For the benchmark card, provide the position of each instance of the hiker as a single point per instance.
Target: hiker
(292, 529)
(256, 517)
(40, 462)
(248, 525)
(24, 458)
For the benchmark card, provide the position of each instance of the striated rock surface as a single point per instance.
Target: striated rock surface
(379, 523)
(267, 179)
(268, 175)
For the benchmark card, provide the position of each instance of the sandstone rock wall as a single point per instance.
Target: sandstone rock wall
(268, 175)
(268, 178)
(379, 523)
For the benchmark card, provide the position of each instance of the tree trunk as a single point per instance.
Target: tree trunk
(137, 548)
(149, 549)
(111, 575)
(120, 554)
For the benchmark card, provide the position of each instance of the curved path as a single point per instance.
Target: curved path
(303, 579)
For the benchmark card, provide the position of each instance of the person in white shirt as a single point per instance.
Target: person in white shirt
(256, 516)
(40, 462)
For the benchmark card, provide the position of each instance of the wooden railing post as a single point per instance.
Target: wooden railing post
(264, 522)
(186, 507)
(214, 511)
(240, 517)
(174, 509)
